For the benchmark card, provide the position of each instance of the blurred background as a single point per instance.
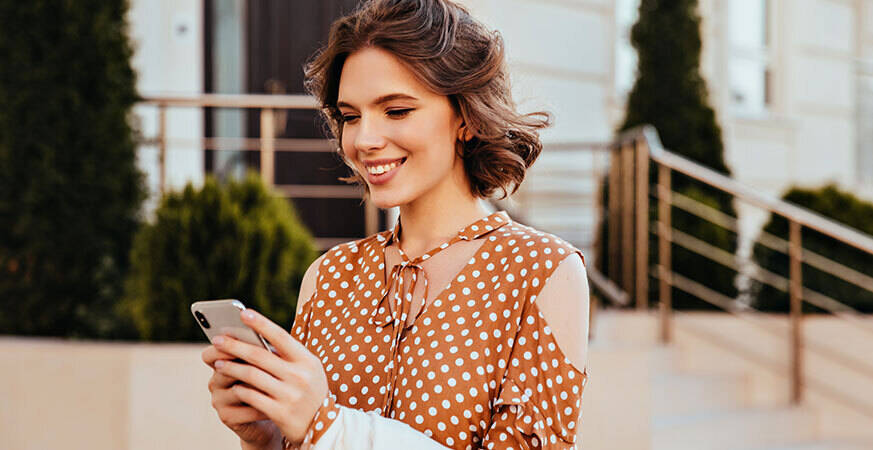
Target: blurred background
(712, 158)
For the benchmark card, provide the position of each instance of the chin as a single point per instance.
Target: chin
(382, 201)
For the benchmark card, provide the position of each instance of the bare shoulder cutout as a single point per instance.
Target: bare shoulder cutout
(307, 286)
(564, 303)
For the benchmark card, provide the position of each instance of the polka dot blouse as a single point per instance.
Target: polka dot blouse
(477, 367)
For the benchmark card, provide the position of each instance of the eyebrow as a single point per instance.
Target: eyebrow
(383, 99)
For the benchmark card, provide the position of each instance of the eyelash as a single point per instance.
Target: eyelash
(394, 113)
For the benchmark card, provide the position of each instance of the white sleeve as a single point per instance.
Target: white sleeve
(354, 429)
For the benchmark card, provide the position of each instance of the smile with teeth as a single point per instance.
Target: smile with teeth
(378, 170)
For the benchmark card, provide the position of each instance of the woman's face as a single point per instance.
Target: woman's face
(397, 134)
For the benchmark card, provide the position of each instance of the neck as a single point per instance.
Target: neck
(429, 222)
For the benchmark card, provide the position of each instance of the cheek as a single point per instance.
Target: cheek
(348, 145)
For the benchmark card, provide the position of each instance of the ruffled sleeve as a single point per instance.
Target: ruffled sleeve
(539, 400)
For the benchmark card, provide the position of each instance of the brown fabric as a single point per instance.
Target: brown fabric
(476, 366)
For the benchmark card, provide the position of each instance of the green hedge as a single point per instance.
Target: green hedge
(234, 241)
(670, 95)
(840, 206)
(70, 192)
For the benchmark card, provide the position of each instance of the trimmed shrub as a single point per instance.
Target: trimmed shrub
(233, 241)
(670, 94)
(70, 192)
(840, 206)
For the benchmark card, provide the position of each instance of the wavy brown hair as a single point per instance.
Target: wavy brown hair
(453, 55)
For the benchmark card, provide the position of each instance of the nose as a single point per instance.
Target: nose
(369, 136)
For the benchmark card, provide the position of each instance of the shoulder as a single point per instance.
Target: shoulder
(558, 289)
(346, 255)
(541, 250)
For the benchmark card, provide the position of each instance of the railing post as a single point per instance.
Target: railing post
(642, 221)
(162, 147)
(268, 149)
(665, 236)
(795, 250)
(627, 218)
(614, 218)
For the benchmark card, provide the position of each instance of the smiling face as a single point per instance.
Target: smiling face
(396, 133)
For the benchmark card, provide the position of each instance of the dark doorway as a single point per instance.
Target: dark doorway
(272, 39)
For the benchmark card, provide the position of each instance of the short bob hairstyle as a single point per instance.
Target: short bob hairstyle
(453, 55)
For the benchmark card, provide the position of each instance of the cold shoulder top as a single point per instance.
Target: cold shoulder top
(478, 367)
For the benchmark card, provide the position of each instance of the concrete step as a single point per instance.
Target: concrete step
(819, 445)
(676, 393)
(748, 427)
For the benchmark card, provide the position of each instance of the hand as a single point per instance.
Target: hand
(251, 425)
(287, 387)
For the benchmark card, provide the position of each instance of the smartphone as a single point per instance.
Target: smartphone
(221, 317)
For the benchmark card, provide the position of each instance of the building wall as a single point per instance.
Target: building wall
(560, 54)
(168, 58)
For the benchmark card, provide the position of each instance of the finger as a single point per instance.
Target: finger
(211, 354)
(254, 355)
(288, 347)
(236, 415)
(226, 397)
(258, 400)
(221, 381)
(253, 376)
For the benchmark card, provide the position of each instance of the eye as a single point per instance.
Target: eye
(348, 118)
(398, 113)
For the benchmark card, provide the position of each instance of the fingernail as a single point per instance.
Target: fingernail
(219, 364)
(249, 314)
(218, 340)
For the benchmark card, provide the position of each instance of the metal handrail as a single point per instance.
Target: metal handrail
(771, 241)
(629, 197)
(794, 213)
(267, 144)
(254, 101)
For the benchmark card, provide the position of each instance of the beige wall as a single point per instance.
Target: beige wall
(74, 395)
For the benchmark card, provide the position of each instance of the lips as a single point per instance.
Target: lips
(381, 171)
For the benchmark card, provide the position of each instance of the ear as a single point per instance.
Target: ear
(464, 134)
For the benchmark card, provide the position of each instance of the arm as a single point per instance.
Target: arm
(539, 402)
(307, 288)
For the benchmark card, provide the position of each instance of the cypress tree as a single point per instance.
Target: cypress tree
(670, 94)
(70, 191)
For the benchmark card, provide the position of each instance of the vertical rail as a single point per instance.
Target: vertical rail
(627, 218)
(599, 208)
(795, 250)
(268, 148)
(593, 311)
(642, 221)
(162, 147)
(613, 219)
(665, 237)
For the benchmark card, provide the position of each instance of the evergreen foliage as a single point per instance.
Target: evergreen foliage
(234, 241)
(670, 94)
(840, 206)
(70, 191)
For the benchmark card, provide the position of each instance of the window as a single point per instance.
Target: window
(749, 56)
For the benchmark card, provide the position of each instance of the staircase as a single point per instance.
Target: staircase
(694, 406)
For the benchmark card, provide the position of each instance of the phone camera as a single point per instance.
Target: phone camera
(202, 319)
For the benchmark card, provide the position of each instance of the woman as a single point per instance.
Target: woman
(456, 329)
